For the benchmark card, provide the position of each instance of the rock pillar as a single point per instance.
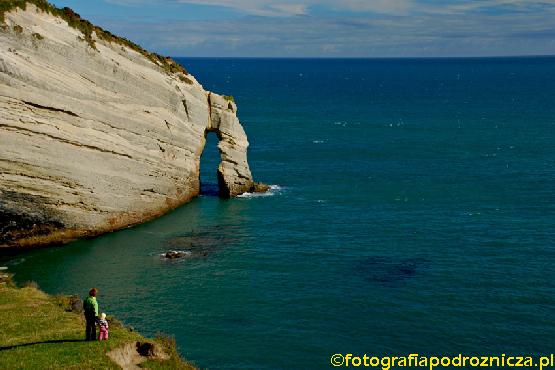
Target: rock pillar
(234, 175)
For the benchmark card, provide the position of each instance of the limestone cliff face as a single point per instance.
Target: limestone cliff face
(96, 140)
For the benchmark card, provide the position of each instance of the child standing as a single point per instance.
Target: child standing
(103, 323)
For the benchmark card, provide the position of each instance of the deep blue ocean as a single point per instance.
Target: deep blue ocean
(412, 211)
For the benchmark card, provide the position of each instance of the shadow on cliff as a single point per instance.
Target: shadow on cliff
(35, 220)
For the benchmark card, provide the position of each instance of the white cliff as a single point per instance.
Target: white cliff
(96, 140)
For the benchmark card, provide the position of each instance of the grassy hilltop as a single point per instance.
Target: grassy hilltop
(44, 332)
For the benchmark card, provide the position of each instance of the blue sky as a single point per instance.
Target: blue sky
(328, 28)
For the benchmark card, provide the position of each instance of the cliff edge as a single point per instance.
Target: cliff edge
(96, 134)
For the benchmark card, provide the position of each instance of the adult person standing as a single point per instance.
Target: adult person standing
(91, 314)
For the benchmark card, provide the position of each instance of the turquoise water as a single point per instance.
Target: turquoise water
(413, 211)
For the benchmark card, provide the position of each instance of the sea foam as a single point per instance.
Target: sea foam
(274, 189)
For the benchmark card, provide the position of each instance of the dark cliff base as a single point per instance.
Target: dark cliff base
(26, 225)
(23, 216)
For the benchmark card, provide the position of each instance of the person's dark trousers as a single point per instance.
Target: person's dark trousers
(90, 332)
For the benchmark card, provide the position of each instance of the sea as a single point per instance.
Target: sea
(411, 211)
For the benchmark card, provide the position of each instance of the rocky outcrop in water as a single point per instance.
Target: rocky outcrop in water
(234, 176)
(173, 254)
(96, 136)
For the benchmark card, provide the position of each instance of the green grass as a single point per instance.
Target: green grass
(38, 332)
(87, 28)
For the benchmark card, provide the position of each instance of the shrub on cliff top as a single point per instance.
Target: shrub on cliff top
(87, 28)
(7, 279)
(185, 79)
(7, 5)
(30, 284)
(69, 303)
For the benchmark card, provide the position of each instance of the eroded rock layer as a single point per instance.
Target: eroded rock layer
(96, 140)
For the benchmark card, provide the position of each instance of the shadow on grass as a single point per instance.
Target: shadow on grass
(48, 341)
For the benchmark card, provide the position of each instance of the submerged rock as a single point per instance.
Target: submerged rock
(389, 270)
(260, 188)
(204, 242)
(172, 254)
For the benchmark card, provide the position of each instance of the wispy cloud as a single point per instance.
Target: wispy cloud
(374, 6)
(284, 8)
(499, 6)
(291, 9)
(348, 36)
(330, 28)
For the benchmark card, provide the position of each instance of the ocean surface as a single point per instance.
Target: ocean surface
(412, 210)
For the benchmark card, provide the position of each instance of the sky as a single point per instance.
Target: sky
(328, 28)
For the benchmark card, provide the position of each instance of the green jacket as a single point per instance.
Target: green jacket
(90, 304)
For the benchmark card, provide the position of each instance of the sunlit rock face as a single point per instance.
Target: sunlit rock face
(234, 176)
(96, 140)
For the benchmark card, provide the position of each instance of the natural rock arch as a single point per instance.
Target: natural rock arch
(234, 175)
(96, 140)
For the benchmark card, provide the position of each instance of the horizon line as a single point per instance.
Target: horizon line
(381, 57)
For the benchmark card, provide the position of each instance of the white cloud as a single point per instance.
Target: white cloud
(293, 9)
(284, 8)
(377, 6)
(348, 36)
(500, 6)
(272, 8)
(397, 28)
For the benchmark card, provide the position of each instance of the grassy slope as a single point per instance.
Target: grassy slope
(37, 333)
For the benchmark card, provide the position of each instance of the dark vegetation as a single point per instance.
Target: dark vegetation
(229, 98)
(185, 79)
(87, 28)
(69, 303)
